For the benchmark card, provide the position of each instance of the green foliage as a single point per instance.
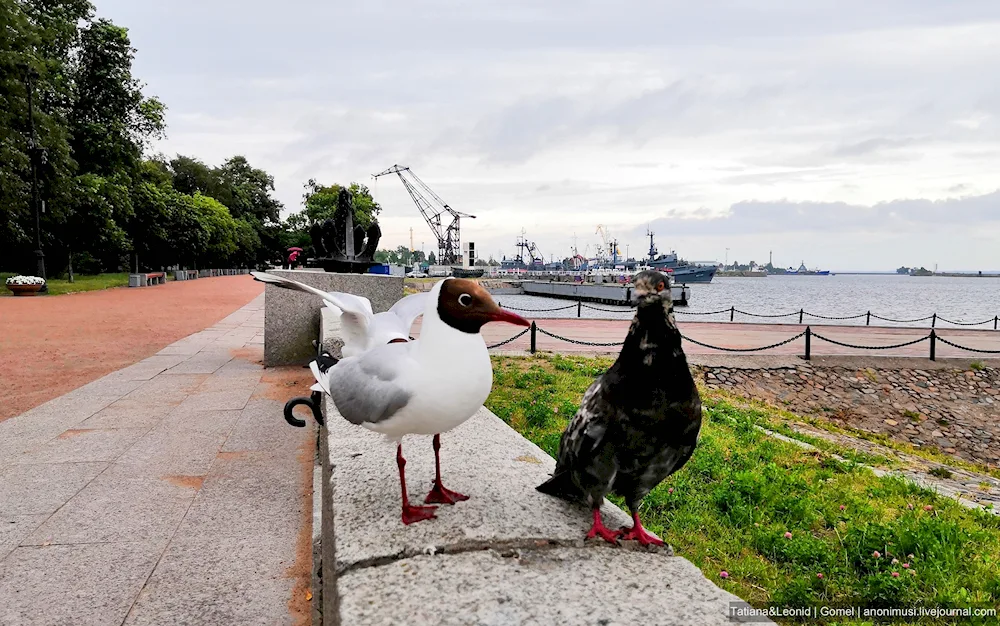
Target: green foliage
(92, 125)
(731, 505)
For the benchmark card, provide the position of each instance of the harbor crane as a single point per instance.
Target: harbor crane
(432, 208)
(523, 245)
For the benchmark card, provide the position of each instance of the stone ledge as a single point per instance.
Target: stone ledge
(593, 585)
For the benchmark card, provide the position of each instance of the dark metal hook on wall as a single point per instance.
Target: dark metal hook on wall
(314, 402)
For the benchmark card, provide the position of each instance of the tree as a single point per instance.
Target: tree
(431, 259)
(111, 121)
(220, 227)
(321, 202)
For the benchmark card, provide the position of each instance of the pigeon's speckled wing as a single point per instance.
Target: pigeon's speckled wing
(372, 387)
(586, 461)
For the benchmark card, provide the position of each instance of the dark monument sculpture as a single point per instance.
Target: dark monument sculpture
(342, 246)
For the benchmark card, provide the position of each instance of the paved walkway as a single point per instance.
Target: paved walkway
(54, 344)
(736, 335)
(168, 492)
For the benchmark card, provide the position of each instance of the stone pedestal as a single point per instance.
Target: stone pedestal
(291, 318)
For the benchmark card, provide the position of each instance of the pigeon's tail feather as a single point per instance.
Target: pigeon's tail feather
(561, 485)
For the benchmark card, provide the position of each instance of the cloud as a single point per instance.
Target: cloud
(896, 216)
(557, 116)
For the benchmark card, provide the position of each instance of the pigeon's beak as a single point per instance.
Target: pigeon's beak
(503, 315)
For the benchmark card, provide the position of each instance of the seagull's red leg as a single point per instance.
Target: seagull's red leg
(411, 513)
(600, 530)
(438, 493)
(640, 534)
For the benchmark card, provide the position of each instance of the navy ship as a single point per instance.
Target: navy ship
(681, 271)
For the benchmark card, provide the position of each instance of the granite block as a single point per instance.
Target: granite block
(292, 319)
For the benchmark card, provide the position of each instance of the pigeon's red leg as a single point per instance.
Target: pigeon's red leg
(640, 534)
(600, 530)
(411, 513)
(439, 494)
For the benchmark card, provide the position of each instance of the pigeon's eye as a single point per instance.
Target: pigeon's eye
(659, 287)
(465, 299)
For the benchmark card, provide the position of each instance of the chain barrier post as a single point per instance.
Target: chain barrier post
(933, 345)
(808, 343)
(996, 318)
(732, 313)
(933, 320)
(868, 319)
(579, 307)
(801, 313)
(534, 330)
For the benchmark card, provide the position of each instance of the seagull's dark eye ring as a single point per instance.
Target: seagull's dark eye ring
(465, 299)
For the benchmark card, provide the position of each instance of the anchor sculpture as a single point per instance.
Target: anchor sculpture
(341, 246)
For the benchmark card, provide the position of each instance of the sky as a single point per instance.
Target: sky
(846, 134)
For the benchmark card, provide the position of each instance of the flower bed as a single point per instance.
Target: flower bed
(25, 285)
(25, 280)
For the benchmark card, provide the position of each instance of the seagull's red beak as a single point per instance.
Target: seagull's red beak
(503, 315)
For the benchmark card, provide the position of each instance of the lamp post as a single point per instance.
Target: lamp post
(33, 149)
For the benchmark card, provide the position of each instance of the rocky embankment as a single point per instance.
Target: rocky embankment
(954, 410)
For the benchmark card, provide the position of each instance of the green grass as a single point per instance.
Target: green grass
(59, 286)
(729, 508)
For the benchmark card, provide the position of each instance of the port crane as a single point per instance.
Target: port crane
(610, 245)
(432, 208)
(523, 245)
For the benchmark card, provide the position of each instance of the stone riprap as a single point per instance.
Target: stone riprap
(956, 410)
(292, 318)
(509, 555)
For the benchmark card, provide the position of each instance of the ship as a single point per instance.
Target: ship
(802, 271)
(681, 271)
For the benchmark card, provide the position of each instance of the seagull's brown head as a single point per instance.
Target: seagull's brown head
(466, 306)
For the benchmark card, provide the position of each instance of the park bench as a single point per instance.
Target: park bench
(185, 274)
(146, 280)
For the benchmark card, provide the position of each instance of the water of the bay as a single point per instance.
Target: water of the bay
(895, 297)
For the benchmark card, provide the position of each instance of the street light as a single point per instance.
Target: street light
(726, 266)
(33, 150)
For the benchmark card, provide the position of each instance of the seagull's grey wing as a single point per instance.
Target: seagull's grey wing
(371, 388)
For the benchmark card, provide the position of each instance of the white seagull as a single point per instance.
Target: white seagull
(423, 387)
(362, 330)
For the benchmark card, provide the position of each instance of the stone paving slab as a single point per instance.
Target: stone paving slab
(131, 484)
(566, 586)
(120, 505)
(41, 488)
(84, 446)
(16, 528)
(82, 585)
(218, 580)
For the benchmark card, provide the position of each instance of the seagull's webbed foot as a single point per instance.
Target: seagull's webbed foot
(640, 534)
(439, 494)
(415, 513)
(411, 512)
(598, 529)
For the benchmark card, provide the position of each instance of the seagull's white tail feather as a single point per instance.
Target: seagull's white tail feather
(322, 380)
(356, 311)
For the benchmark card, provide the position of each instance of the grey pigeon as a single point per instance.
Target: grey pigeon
(638, 422)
